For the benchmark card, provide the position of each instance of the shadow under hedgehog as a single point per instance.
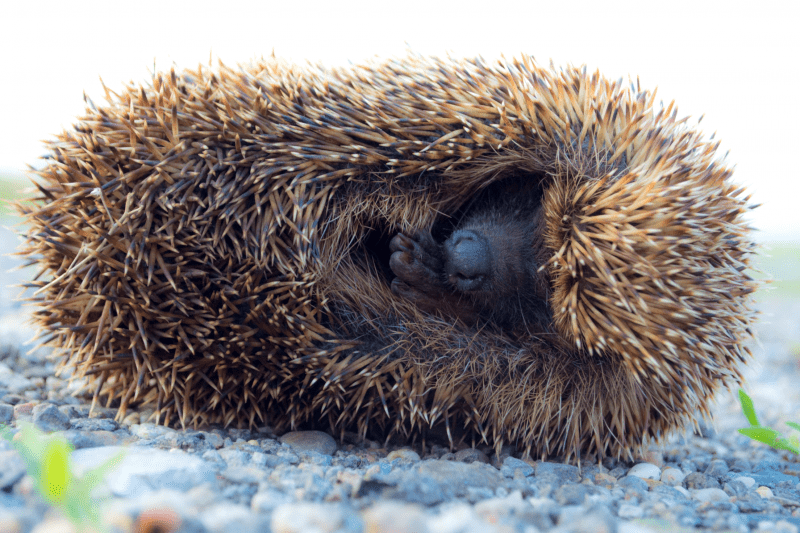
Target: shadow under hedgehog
(522, 255)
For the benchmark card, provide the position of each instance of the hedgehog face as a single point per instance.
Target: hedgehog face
(488, 268)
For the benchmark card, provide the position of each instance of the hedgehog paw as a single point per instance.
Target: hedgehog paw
(417, 262)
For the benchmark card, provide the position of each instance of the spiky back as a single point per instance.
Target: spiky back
(203, 245)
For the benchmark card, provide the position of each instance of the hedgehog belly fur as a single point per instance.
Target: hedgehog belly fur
(215, 245)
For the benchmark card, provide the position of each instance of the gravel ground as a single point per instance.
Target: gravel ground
(238, 480)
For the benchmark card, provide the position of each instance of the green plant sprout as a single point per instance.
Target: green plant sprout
(764, 434)
(47, 458)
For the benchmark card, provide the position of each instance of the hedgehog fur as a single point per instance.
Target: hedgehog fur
(216, 245)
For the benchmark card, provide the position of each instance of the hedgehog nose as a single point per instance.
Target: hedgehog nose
(468, 261)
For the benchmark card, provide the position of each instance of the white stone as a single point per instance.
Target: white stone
(672, 476)
(747, 481)
(764, 492)
(629, 512)
(142, 470)
(307, 517)
(150, 431)
(710, 495)
(645, 471)
(457, 518)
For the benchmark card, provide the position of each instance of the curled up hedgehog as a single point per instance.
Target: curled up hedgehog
(525, 255)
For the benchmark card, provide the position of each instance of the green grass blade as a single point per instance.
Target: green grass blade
(765, 435)
(747, 408)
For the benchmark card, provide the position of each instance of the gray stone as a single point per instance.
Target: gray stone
(697, 480)
(717, 468)
(571, 494)
(471, 455)
(12, 468)
(240, 433)
(735, 488)
(212, 439)
(150, 431)
(6, 413)
(310, 441)
(565, 473)
(95, 424)
(512, 465)
(434, 481)
(497, 459)
(710, 495)
(12, 399)
(634, 483)
(71, 411)
(91, 439)
(47, 417)
(141, 469)
(320, 459)
(13, 383)
(234, 457)
(741, 465)
(669, 494)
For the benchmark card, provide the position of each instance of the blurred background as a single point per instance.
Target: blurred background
(733, 62)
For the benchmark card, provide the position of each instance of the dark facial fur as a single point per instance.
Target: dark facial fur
(487, 269)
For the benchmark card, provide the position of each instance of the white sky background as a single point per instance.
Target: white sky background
(735, 62)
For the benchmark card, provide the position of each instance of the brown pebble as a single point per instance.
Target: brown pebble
(24, 410)
(158, 520)
(605, 480)
(403, 454)
(471, 455)
(310, 441)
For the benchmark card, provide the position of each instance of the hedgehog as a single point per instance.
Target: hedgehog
(498, 251)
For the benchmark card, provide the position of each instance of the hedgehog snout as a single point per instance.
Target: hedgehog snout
(468, 260)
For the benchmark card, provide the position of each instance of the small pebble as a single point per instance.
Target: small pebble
(710, 495)
(672, 476)
(316, 517)
(394, 517)
(764, 492)
(511, 466)
(310, 441)
(645, 471)
(47, 417)
(471, 455)
(403, 454)
(6, 413)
